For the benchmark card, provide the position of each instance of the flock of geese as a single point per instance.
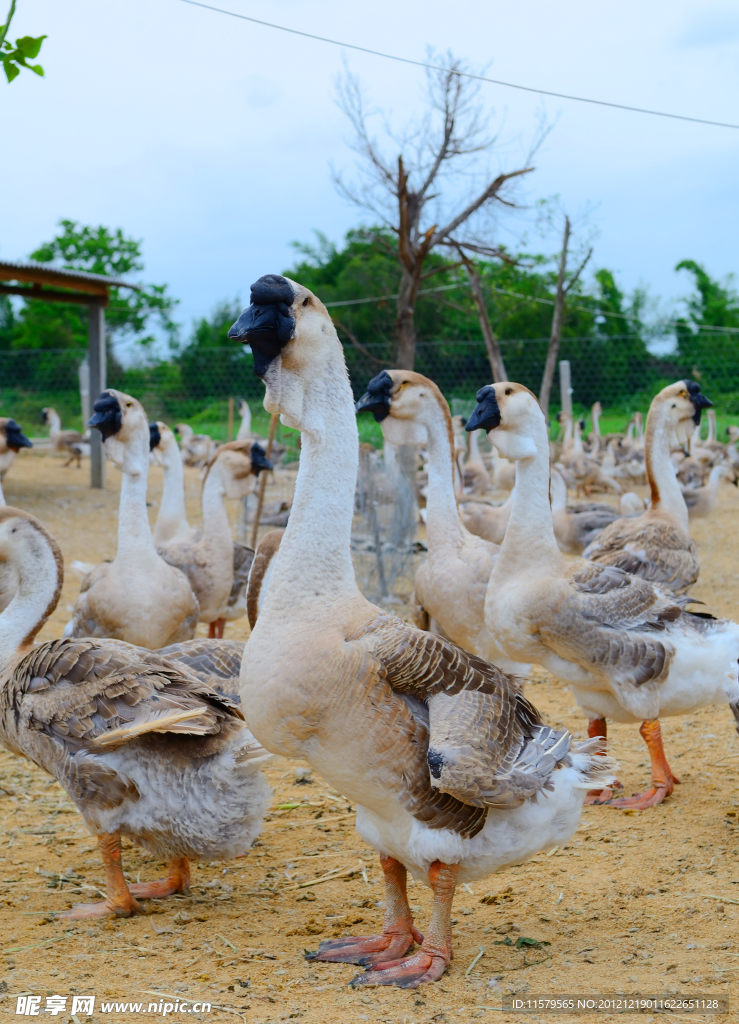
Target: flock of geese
(424, 726)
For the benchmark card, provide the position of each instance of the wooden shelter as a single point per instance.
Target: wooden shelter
(48, 284)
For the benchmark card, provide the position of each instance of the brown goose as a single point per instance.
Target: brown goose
(453, 772)
(657, 544)
(143, 746)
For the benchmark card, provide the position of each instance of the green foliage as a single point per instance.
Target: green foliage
(209, 358)
(609, 356)
(97, 250)
(26, 48)
(704, 351)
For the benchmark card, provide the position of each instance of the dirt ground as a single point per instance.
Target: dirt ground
(637, 903)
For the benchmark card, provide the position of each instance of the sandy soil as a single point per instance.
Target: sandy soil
(637, 902)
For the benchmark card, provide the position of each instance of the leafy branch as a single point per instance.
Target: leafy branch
(26, 48)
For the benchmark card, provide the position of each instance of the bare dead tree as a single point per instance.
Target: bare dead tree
(564, 286)
(433, 151)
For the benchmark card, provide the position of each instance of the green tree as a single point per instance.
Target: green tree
(704, 350)
(129, 316)
(210, 359)
(26, 48)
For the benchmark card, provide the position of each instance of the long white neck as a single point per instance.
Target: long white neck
(215, 516)
(475, 455)
(713, 481)
(665, 489)
(443, 525)
(39, 583)
(55, 424)
(558, 491)
(577, 441)
(134, 533)
(595, 413)
(567, 440)
(172, 517)
(711, 426)
(529, 539)
(313, 567)
(245, 428)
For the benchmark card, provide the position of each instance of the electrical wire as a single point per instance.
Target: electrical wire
(462, 74)
(538, 299)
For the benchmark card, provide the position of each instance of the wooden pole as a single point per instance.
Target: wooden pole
(96, 358)
(565, 386)
(230, 418)
(263, 480)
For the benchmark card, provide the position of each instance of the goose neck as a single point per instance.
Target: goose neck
(443, 525)
(529, 540)
(313, 567)
(665, 490)
(134, 531)
(172, 512)
(40, 578)
(215, 516)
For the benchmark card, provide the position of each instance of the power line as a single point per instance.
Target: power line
(462, 74)
(533, 298)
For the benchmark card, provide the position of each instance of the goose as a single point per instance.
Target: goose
(657, 545)
(137, 597)
(625, 647)
(445, 759)
(485, 520)
(450, 585)
(197, 449)
(699, 501)
(576, 526)
(172, 525)
(208, 561)
(70, 442)
(596, 440)
(12, 439)
(142, 745)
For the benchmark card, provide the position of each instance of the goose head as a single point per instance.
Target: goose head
(512, 418)
(238, 464)
(163, 445)
(124, 425)
(11, 436)
(405, 403)
(678, 407)
(295, 346)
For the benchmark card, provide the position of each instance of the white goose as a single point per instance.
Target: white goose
(450, 585)
(453, 772)
(621, 643)
(137, 597)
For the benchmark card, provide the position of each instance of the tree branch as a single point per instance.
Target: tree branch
(475, 205)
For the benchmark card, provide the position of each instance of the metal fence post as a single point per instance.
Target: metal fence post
(565, 385)
(96, 358)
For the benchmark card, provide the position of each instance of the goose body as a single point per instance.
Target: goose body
(399, 720)
(657, 545)
(143, 742)
(700, 501)
(576, 526)
(137, 597)
(69, 442)
(197, 449)
(623, 644)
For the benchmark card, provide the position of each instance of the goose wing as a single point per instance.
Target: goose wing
(487, 745)
(655, 549)
(215, 662)
(97, 696)
(609, 622)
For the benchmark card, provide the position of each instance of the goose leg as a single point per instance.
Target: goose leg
(398, 932)
(430, 961)
(598, 727)
(663, 781)
(216, 628)
(119, 901)
(177, 880)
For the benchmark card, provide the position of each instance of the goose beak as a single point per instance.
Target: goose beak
(259, 460)
(154, 436)
(106, 415)
(486, 414)
(15, 438)
(267, 324)
(376, 398)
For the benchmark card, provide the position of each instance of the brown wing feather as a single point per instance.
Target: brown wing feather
(655, 549)
(215, 662)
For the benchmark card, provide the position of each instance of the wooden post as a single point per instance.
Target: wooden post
(230, 418)
(96, 358)
(565, 386)
(263, 480)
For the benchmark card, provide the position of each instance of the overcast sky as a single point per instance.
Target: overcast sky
(212, 138)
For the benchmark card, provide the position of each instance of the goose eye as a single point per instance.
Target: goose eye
(509, 391)
(129, 404)
(306, 300)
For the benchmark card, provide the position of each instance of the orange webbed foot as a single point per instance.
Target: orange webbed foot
(367, 950)
(410, 972)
